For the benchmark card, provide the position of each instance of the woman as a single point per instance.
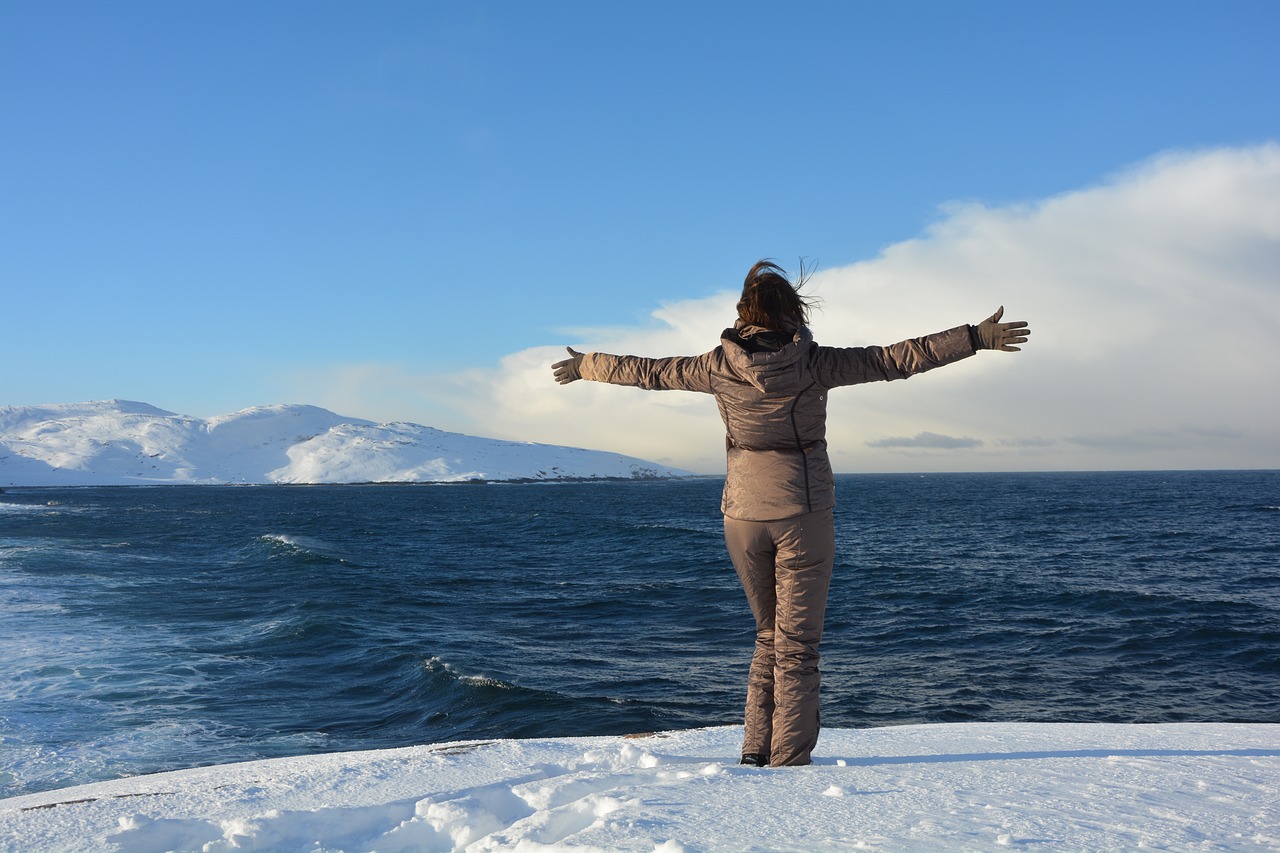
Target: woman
(770, 381)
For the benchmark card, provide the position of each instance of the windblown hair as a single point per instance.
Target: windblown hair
(770, 301)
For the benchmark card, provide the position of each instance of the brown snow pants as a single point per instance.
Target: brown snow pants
(785, 569)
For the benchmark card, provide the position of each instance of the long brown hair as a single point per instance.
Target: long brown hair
(770, 301)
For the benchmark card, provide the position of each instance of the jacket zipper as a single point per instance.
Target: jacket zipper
(795, 431)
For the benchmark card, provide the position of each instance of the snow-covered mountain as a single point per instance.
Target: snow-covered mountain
(117, 442)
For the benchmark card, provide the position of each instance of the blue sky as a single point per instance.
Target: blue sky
(380, 207)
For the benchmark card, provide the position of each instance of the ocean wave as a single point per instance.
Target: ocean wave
(306, 548)
(456, 704)
(7, 508)
(439, 667)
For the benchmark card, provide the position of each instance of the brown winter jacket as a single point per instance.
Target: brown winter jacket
(772, 392)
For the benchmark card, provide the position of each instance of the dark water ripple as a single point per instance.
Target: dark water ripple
(153, 628)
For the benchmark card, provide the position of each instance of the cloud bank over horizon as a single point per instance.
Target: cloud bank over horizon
(1153, 298)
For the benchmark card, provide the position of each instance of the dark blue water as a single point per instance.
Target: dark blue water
(145, 629)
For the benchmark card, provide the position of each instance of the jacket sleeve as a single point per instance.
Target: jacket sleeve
(678, 373)
(835, 366)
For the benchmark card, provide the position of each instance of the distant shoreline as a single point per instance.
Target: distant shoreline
(521, 481)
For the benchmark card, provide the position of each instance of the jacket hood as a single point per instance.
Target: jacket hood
(765, 357)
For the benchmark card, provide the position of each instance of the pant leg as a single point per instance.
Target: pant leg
(785, 569)
(805, 557)
(752, 550)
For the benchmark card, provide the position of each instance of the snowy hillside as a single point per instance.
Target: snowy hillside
(116, 442)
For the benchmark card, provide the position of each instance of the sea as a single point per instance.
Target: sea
(145, 629)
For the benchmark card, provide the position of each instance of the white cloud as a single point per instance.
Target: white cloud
(1154, 300)
(377, 391)
(927, 439)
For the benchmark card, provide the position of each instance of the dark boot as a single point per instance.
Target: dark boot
(755, 759)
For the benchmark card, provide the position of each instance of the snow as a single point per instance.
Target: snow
(963, 786)
(119, 442)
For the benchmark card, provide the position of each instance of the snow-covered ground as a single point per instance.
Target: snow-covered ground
(968, 786)
(117, 442)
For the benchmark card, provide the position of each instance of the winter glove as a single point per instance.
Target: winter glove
(992, 334)
(569, 370)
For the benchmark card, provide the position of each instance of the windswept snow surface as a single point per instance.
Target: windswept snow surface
(117, 442)
(965, 786)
